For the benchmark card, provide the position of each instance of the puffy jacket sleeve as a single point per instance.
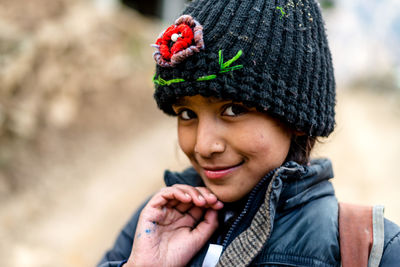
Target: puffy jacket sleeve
(391, 249)
(121, 250)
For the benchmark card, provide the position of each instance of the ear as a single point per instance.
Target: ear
(298, 133)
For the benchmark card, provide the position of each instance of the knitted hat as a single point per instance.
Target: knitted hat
(271, 55)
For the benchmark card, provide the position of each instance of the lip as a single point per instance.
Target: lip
(220, 172)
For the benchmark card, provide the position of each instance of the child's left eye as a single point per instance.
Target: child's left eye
(234, 110)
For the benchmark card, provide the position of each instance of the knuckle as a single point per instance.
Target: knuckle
(203, 189)
(165, 189)
(181, 186)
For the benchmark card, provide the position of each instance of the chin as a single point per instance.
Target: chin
(226, 197)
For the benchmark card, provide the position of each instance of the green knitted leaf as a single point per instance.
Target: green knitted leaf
(207, 78)
(224, 67)
(229, 62)
(161, 81)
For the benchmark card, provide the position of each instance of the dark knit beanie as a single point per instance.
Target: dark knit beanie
(269, 54)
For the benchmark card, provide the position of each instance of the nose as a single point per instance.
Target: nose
(209, 139)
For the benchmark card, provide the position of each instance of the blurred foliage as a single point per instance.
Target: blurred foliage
(67, 71)
(148, 7)
(327, 4)
(385, 82)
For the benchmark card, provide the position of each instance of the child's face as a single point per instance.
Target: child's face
(231, 146)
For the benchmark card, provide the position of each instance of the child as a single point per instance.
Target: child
(252, 86)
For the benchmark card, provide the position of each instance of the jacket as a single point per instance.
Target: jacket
(290, 218)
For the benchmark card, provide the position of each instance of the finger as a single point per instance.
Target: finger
(206, 228)
(183, 207)
(168, 194)
(172, 203)
(208, 196)
(191, 218)
(217, 205)
(196, 213)
(211, 199)
(197, 198)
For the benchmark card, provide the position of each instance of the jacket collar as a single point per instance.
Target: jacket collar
(288, 186)
(304, 183)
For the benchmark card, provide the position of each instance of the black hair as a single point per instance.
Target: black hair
(300, 148)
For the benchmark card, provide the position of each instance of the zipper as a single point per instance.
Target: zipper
(246, 207)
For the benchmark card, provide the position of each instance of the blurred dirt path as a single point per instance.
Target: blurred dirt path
(88, 214)
(365, 149)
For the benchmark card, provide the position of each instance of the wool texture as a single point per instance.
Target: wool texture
(286, 66)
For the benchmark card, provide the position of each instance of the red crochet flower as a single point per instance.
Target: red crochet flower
(179, 41)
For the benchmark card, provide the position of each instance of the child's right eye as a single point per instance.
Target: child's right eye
(234, 110)
(186, 114)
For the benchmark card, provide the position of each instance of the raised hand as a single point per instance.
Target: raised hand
(174, 225)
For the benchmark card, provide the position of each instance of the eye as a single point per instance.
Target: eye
(234, 110)
(186, 114)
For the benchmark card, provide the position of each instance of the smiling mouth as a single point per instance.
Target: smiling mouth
(220, 172)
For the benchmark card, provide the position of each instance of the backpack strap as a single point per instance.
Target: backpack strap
(378, 236)
(361, 235)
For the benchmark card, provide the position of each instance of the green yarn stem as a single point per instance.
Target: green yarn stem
(224, 67)
(231, 68)
(207, 78)
(161, 81)
(282, 12)
(229, 62)
(220, 59)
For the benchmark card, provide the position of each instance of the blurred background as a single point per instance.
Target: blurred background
(82, 142)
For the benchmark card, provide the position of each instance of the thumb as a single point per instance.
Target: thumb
(206, 228)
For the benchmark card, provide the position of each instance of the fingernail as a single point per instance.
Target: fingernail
(187, 195)
(201, 197)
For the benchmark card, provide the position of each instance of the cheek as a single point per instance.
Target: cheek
(186, 140)
(268, 144)
(255, 142)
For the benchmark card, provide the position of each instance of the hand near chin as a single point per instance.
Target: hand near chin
(174, 226)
